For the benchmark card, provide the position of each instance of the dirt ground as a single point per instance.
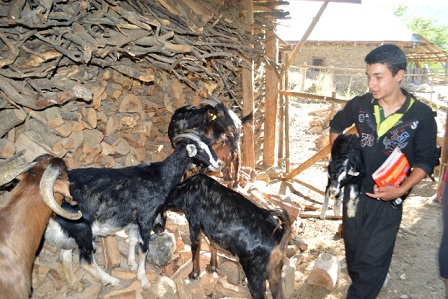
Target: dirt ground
(414, 271)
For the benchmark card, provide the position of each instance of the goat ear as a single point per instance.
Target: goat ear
(352, 172)
(191, 150)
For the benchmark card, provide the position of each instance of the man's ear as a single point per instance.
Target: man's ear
(400, 75)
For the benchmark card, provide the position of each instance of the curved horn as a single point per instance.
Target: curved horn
(212, 102)
(12, 167)
(46, 191)
(190, 134)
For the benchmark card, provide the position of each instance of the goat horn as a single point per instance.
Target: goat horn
(190, 134)
(212, 102)
(12, 167)
(46, 191)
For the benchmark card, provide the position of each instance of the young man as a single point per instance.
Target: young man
(385, 118)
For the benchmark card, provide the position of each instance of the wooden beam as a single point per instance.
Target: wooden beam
(281, 124)
(317, 157)
(287, 155)
(316, 215)
(271, 95)
(309, 186)
(311, 96)
(308, 163)
(305, 36)
(443, 163)
(248, 152)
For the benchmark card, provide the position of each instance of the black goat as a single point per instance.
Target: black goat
(345, 170)
(234, 223)
(218, 123)
(210, 120)
(125, 198)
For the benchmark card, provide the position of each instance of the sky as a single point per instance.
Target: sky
(302, 14)
(435, 9)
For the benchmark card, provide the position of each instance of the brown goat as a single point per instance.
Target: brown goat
(24, 218)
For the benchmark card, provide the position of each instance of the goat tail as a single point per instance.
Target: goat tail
(285, 220)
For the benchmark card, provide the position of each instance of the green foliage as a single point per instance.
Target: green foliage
(426, 27)
(400, 11)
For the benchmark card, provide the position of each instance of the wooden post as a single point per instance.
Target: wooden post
(286, 122)
(281, 122)
(248, 154)
(302, 89)
(332, 111)
(443, 162)
(271, 94)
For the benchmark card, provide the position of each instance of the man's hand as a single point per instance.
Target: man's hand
(387, 193)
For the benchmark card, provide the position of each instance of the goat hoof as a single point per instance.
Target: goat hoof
(210, 269)
(145, 283)
(114, 282)
(194, 275)
(133, 266)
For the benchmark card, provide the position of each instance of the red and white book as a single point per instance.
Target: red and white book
(393, 171)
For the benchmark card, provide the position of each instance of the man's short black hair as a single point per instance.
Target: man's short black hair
(390, 55)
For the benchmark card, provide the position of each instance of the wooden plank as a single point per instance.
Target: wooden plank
(111, 253)
(271, 94)
(443, 163)
(10, 118)
(308, 163)
(281, 126)
(312, 96)
(309, 186)
(287, 141)
(317, 157)
(293, 211)
(305, 36)
(248, 142)
(316, 215)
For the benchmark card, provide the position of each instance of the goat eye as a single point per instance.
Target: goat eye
(213, 116)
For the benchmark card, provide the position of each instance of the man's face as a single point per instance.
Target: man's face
(380, 81)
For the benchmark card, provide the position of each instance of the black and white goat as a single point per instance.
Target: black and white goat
(125, 198)
(345, 170)
(23, 219)
(220, 125)
(230, 221)
(210, 118)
